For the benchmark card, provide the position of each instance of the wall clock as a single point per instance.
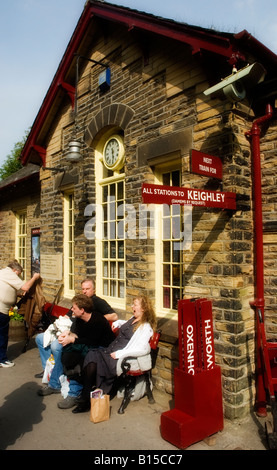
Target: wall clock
(114, 153)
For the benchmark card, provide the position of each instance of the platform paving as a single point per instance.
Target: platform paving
(29, 422)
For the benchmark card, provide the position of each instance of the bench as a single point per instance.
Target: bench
(129, 376)
(54, 310)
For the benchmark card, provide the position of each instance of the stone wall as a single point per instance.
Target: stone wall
(269, 195)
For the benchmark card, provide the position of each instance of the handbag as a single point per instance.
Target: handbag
(100, 409)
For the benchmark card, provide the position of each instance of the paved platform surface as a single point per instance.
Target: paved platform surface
(30, 422)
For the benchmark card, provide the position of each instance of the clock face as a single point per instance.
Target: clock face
(114, 153)
(111, 152)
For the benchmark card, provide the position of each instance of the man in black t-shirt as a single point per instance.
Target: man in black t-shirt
(100, 306)
(90, 327)
(90, 330)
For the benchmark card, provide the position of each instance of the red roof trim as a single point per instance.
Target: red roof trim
(247, 38)
(197, 38)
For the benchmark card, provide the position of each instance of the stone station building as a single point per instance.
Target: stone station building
(138, 81)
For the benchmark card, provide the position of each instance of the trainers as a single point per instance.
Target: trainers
(44, 391)
(67, 403)
(6, 364)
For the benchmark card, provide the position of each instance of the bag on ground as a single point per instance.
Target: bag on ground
(100, 409)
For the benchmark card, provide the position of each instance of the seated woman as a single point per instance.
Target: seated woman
(99, 368)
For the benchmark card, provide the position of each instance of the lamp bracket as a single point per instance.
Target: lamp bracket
(54, 169)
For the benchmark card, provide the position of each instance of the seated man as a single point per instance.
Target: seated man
(55, 348)
(99, 305)
(89, 331)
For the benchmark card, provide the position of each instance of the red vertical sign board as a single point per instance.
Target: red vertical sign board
(207, 335)
(196, 340)
(188, 354)
(207, 165)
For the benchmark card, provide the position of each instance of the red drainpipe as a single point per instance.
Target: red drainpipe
(259, 303)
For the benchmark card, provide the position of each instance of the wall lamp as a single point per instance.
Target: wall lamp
(236, 85)
(74, 154)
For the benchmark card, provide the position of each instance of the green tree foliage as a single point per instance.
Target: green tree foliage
(12, 162)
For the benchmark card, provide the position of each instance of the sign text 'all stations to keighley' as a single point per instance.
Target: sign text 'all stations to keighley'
(160, 194)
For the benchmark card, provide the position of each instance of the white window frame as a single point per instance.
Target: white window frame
(101, 261)
(21, 240)
(69, 245)
(160, 170)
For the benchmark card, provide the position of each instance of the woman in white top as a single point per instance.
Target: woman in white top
(133, 338)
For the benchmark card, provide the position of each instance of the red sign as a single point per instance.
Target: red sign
(188, 337)
(196, 338)
(207, 165)
(205, 316)
(158, 194)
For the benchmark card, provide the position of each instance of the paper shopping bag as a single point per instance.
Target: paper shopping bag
(100, 409)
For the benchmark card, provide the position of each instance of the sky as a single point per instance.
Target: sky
(34, 35)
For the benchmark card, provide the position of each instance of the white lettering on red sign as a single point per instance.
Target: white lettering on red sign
(190, 350)
(209, 344)
(194, 195)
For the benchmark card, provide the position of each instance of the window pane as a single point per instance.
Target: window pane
(113, 250)
(166, 297)
(105, 271)
(166, 228)
(175, 178)
(176, 296)
(105, 193)
(166, 274)
(176, 275)
(121, 288)
(120, 253)
(120, 191)
(176, 232)
(176, 252)
(112, 190)
(105, 249)
(166, 179)
(166, 252)
(113, 273)
(121, 270)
